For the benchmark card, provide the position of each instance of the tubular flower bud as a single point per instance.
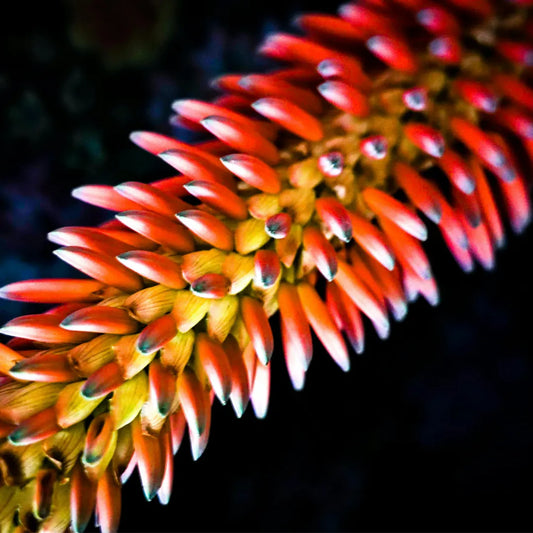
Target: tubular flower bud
(314, 201)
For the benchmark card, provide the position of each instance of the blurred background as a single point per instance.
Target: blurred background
(431, 430)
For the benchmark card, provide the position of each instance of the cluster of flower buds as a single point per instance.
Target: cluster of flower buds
(311, 197)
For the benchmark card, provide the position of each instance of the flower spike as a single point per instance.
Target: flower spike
(313, 198)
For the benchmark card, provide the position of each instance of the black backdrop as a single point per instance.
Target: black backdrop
(431, 430)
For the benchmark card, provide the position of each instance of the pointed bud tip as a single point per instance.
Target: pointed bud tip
(259, 104)
(209, 120)
(67, 324)
(17, 367)
(88, 391)
(136, 137)
(15, 438)
(77, 193)
(123, 257)
(145, 347)
(228, 158)
(245, 82)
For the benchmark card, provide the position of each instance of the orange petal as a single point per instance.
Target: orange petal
(291, 117)
(196, 111)
(457, 171)
(391, 287)
(416, 285)
(385, 206)
(367, 277)
(211, 285)
(516, 121)
(393, 51)
(218, 197)
(158, 228)
(177, 429)
(344, 69)
(35, 428)
(371, 239)
(293, 361)
(447, 48)
(108, 501)
(215, 363)
(240, 388)
(151, 198)
(103, 196)
(449, 224)
(193, 400)
(150, 459)
(321, 251)
(164, 492)
(345, 97)
(155, 267)
(518, 52)
(362, 297)
(103, 381)
(194, 166)
(48, 366)
(469, 206)
(8, 358)
(460, 254)
(482, 8)
(296, 75)
(477, 94)
(53, 290)
(43, 328)
(258, 327)
(407, 249)
(518, 203)
(101, 319)
(330, 27)
(297, 342)
(156, 143)
(438, 20)
(346, 316)
(272, 86)
(367, 20)
(302, 51)
(253, 171)
(91, 238)
(515, 194)
(100, 267)
(336, 217)
(241, 138)
(156, 334)
(480, 244)
(207, 227)
(82, 498)
(426, 138)
(135, 240)
(199, 441)
(261, 390)
(483, 146)
(514, 89)
(278, 226)
(418, 191)
(267, 268)
(323, 325)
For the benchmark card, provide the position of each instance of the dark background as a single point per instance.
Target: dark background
(431, 430)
